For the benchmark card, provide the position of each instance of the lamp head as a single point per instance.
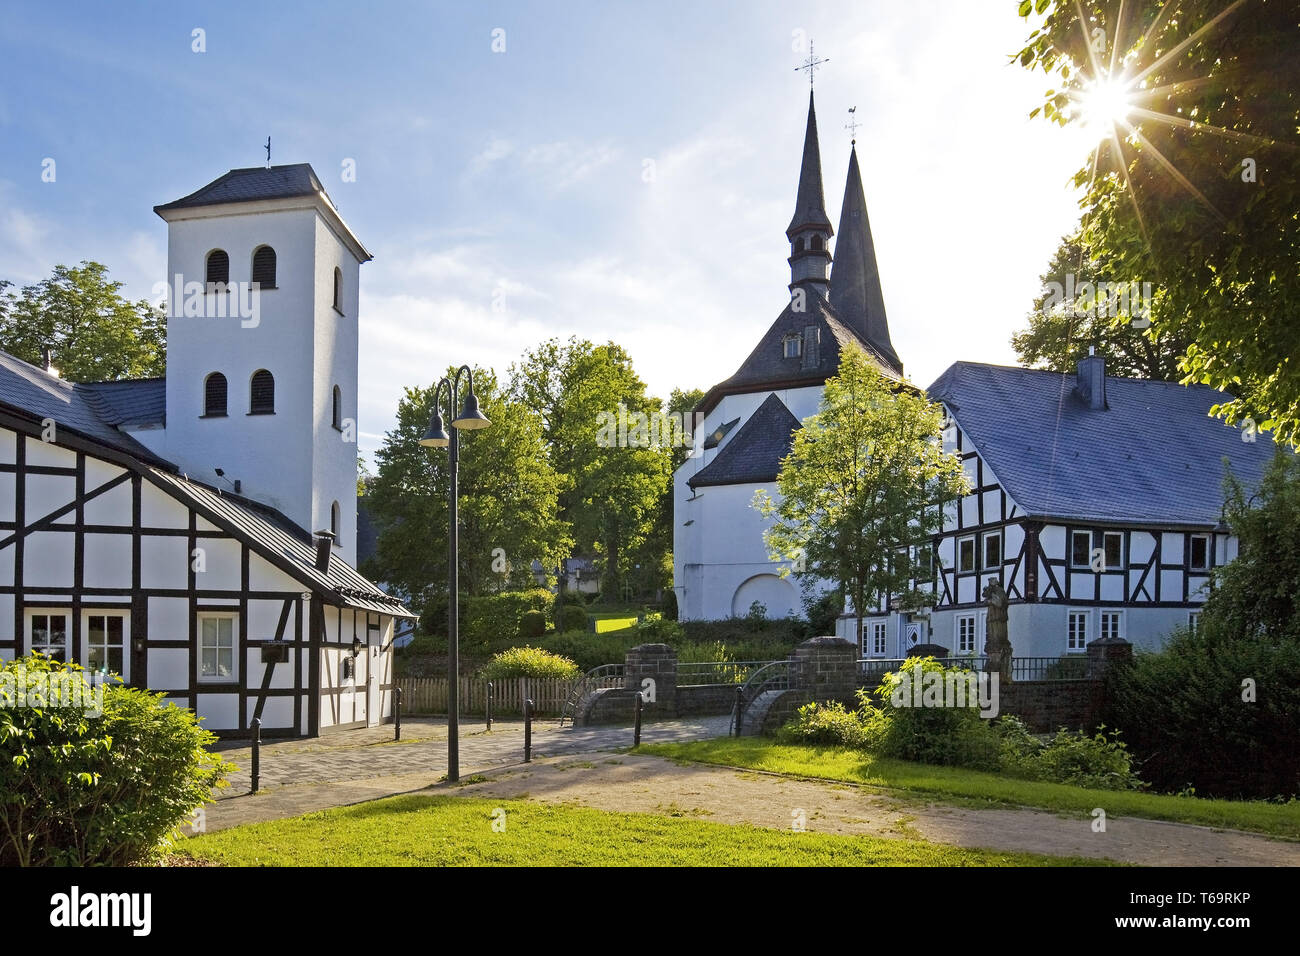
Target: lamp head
(436, 436)
(470, 417)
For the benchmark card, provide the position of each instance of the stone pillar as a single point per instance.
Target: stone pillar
(828, 668)
(1105, 652)
(658, 662)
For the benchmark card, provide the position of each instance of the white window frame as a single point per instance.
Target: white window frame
(1206, 565)
(792, 346)
(1101, 625)
(957, 633)
(49, 612)
(974, 554)
(1193, 621)
(1088, 562)
(984, 554)
(120, 612)
(875, 638)
(1123, 558)
(1070, 648)
(233, 618)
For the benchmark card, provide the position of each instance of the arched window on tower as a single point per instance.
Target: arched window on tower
(264, 267)
(218, 268)
(261, 398)
(334, 522)
(818, 244)
(338, 290)
(798, 244)
(338, 408)
(214, 396)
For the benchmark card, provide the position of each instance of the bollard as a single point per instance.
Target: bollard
(487, 705)
(257, 753)
(636, 730)
(528, 730)
(740, 708)
(397, 713)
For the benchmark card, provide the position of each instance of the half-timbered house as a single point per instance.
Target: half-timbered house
(159, 529)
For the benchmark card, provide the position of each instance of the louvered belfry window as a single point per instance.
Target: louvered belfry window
(214, 395)
(262, 394)
(218, 270)
(264, 267)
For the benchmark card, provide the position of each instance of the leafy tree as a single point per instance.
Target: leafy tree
(1061, 331)
(611, 490)
(509, 514)
(865, 482)
(94, 334)
(1196, 186)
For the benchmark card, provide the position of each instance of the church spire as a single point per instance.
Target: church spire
(855, 282)
(810, 228)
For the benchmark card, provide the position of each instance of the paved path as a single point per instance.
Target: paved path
(302, 775)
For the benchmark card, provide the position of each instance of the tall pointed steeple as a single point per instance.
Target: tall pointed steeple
(810, 229)
(855, 282)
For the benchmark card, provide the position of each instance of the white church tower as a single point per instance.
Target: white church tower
(721, 566)
(262, 346)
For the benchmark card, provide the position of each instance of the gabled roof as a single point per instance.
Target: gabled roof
(810, 203)
(1154, 456)
(754, 454)
(251, 185)
(767, 367)
(855, 278)
(91, 412)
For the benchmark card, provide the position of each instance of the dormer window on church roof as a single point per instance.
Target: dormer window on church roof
(792, 345)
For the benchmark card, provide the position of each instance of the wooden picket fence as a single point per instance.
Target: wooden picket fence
(428, 695)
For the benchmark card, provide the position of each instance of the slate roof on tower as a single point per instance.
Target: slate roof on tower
(253, 184)
(1152, 456)
(755, 453)
(810, 203)
(855, 278)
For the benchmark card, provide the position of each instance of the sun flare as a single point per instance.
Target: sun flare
(1104, 104)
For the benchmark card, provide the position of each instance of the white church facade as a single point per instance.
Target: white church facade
(196, 534)
(1095, 501)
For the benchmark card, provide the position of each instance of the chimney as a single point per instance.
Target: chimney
(1091, 382)
(324, 542)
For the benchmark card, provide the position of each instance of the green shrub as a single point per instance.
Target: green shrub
(948, 736)
(589, 650)
(823, 613)
(532, 624)
(659, 631)
(1099, 761)
(528, 662)
(85, 789)
(831, 725)
(493, 617)
(1184, 715)
(670, 605)
(571, 619)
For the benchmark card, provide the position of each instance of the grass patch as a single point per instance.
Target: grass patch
(607, 621)
(420, 830)
(972, 788)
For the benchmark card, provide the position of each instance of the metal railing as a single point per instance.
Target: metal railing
(716, 672)
(602, 676)
(1022, 668)
(778, 675)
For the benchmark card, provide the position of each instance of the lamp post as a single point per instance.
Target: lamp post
(436, 437)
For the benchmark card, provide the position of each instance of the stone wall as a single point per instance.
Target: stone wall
(1048, 705)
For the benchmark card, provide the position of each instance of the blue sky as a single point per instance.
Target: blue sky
(519, 176)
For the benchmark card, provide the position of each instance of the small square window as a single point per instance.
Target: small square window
(793, 346)
(993, 550)
(1112, 625)
(1193, 620)
(966, 634)
(1080, 549)
(1113, 545)
(216, 648)
(1199, 558)
(1076, 633)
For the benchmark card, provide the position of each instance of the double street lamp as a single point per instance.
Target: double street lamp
(469, 419)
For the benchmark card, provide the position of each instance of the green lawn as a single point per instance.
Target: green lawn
(971, 788)
(419, 830)
(612, 620)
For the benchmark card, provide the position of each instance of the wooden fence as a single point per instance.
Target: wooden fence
(428, 695)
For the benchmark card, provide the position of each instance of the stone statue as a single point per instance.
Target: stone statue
(997, 646)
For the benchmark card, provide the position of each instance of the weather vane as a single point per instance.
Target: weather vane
(811, 64)
(267, 147)
(853, 124)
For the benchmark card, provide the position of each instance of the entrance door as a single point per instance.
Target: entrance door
(909, 638)
(372, 688)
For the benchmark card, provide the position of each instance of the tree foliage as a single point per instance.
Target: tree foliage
(865, 482)
(92, 332)
(1199, 190)
(509, 512)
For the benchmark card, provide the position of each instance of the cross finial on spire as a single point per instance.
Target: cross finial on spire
(811, 64)
(853, 124)
(267, 147)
